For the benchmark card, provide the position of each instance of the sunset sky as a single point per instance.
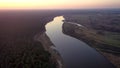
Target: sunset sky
(58, 4)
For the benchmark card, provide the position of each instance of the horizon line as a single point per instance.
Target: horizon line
(59, 9)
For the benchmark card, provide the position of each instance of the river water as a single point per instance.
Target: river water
(75, 53)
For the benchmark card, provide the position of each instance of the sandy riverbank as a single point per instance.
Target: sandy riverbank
(85, 35)
(49, 46)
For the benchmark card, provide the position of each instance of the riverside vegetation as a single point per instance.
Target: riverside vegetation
(99, 30)
(18, 49)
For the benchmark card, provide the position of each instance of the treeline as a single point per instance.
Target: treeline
(18, 49)
(105, 22)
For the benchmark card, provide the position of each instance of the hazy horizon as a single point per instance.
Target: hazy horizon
(59, 4)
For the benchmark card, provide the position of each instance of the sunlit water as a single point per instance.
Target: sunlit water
(75, 53)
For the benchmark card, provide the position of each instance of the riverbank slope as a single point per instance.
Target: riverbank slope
(91, 37)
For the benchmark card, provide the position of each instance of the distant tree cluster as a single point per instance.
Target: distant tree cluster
(105, 22)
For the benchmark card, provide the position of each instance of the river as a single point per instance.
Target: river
(74, 52)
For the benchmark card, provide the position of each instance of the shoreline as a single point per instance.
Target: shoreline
(49, 46)
(78, 32)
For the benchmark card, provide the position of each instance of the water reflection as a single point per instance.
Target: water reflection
(75, 53)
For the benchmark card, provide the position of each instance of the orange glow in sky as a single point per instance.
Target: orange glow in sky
(58, 4)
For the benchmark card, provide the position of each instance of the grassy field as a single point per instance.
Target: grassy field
(112, 38)
(100, 31)
(100, 26)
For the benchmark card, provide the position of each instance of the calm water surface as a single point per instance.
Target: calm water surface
(75, 53)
